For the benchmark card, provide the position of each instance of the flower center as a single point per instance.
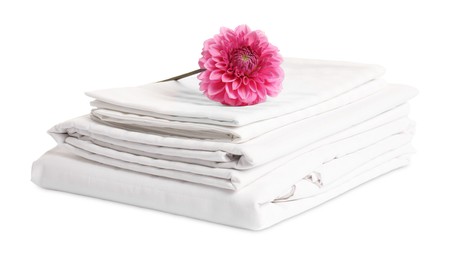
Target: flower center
(243, 60)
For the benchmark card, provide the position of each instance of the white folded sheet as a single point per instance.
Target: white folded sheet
(274, 197)
(178, 108)
(306, 83)
(134, 120)
(235, 165)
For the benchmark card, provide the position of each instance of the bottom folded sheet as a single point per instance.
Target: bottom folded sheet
(271, 199)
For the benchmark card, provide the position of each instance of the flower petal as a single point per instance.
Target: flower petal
(221, 65)
(215, 75)
(210, 64)
(253, 38)
(215, 88)
(214, 51)
(261, 91)
(242, 29)
(203, 75)
(252, 85)
(236, 83)
(230, 92)
(252, 96)
(243, 92)
(227, 77)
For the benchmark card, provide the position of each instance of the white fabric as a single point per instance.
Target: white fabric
(230, 165)
(306, 82)
(165, 146)
(131, 119)
(255, 207)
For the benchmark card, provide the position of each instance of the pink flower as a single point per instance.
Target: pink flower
(240, 67)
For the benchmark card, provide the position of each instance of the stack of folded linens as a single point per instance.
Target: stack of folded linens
(166, 146)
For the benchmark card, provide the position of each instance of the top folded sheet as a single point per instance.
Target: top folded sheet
(306, 83)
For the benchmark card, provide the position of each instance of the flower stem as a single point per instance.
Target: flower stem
(183, 75)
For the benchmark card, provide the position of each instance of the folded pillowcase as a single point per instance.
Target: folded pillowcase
(133, 120)
(306, 83)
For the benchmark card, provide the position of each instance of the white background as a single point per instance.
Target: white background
(53, 51)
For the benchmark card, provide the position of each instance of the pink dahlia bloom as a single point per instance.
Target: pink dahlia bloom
(240, 67)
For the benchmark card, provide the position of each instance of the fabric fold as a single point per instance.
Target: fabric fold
(252, 208)
(306, 83)
(134, 121)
